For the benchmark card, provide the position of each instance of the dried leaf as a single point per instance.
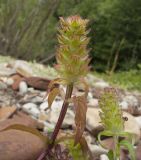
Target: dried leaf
(54, 82)
(80, 116)
(86, 86)
(52, 95)
(27, 129)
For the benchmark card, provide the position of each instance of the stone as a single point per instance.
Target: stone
(101, 84)
(6, 112)
(97, 150)
(138, 120)
(93, 102)
(2, 85)
(37, 100)
(27, 107)
(34, 112)
(22, 68)
(9, 81)
(131, 100)
(43, 106)
(21, 118)
(37, 82)
(20, 145)
(93, 121)
(124, 105)
(23, 88)
(104, 157)
(54, 113)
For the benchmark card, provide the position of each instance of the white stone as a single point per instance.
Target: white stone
(48, 127)
(97, 150)
(101, 84)
(23, 88)
(93, 102)
(131, 100)
(37, 100)
(138, 120)
(124, 105)
(27, 107)
(9, 81)
(23, 68)
(2, 85)
(104, 157)
(43, 106)
(34, 112)
(90, 95)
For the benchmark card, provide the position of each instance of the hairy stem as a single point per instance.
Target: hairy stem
(59, 122)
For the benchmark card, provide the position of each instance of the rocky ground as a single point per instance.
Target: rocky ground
(23, 88)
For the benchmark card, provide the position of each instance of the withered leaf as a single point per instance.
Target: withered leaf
(86, 86)
(80, 116)
(51, 96)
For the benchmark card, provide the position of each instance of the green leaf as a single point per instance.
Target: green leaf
(104, 133)
(110, 155)
(130, 148)
(51, 96)
(28, 129)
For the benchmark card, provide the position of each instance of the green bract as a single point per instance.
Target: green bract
(72, 54)
(111, 115)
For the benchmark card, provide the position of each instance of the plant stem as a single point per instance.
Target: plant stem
(116, 148)
(59, 122)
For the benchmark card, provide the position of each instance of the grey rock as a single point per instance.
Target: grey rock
(104, 157)
(124, 105)
(93, 102)
(43, 106)
(34, 112)
(101, 84)
(138, 120)
(2, 85)
(97, 150)
(131, 100)
(23, 88)
(27, 107)
(9, 81)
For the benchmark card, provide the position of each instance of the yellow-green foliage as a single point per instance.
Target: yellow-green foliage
(111, 115)
(72, 53)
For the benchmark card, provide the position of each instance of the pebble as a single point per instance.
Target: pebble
(23, 88)
(27, 107)
(131, 100)
(43, 106)
(9, 81)
(104, 157)
(93, 102)
(124, 105)
(138, 120)
(101, 84)
(97, 150)
(34, 112)
(2, 86)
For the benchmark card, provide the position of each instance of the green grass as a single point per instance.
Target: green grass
(130, 80)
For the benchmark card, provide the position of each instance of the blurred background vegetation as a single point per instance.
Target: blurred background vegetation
(28, 30)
